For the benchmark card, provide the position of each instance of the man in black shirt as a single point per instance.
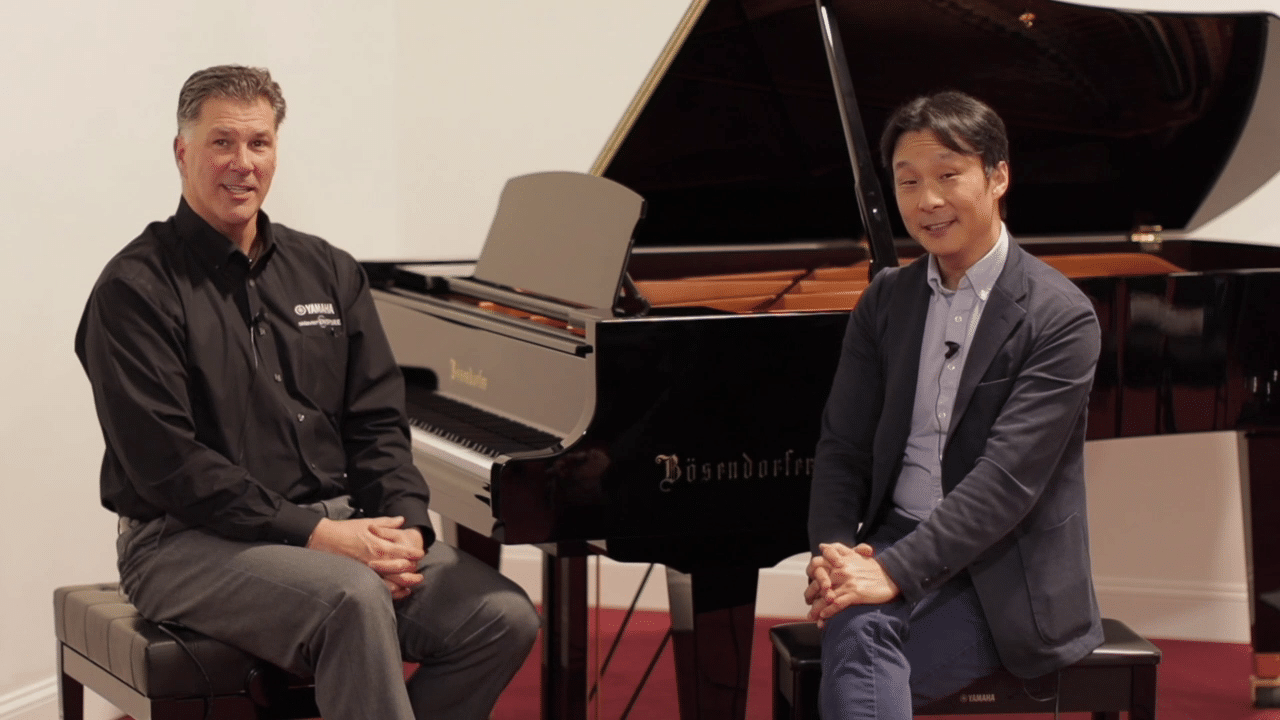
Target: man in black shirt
(257, 449)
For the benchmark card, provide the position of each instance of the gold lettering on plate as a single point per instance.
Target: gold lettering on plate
(474, 378)
(978, 698)
(744, 467)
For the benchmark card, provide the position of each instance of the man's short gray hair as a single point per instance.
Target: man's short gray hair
(229, 81)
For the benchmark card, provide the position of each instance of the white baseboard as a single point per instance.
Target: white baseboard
(779, 594)
(39, 701)
(1177, 610)
(1170, 609)
(25, 703)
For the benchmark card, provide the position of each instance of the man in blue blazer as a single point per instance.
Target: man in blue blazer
(948, 510)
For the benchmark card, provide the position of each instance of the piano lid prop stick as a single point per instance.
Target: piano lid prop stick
(875, 216)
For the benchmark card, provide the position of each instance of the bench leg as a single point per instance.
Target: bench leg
(70, 693)
(779, 701)
(1143, 696)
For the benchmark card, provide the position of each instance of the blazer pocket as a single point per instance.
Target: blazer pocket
(987, 400)
(1056, 561)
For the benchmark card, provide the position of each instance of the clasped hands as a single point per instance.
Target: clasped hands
(842, 576)
(381, 543)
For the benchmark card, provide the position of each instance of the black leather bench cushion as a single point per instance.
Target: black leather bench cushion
(800, 646)
(97, 622)
(1106, 680)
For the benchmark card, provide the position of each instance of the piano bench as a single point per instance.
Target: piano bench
(1119, 676)
(105, 645)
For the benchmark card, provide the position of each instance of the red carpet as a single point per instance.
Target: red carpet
(1198, 680)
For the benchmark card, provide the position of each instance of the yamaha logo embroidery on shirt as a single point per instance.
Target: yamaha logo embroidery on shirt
(314, 309)
(307, 310)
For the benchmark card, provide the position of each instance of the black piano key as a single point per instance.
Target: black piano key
(471, 427)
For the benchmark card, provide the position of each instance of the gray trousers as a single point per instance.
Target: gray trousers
(317, 614)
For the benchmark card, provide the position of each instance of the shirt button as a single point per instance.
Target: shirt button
(253, 283)
(301, 417)
(277, 377)
(262, 330)
(959, 318)
(951, 366)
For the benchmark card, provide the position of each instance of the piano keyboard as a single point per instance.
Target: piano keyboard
(470, 428)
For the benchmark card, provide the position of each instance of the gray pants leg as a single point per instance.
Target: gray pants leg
(318, 614)
(469, 628)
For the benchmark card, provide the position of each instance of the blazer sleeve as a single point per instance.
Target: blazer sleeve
(843, 461)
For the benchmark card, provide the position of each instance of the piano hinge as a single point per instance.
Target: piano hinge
(630, 301)
(1147, 237)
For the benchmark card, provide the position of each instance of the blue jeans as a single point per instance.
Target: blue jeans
(880, 661)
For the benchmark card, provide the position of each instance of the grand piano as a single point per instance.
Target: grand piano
(636, 363)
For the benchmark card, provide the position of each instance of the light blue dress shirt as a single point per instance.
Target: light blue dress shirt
(950, 323)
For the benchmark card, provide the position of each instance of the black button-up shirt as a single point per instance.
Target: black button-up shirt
(229, 395)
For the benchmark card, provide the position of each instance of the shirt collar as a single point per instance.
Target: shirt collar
(982, 276)
(212, 247)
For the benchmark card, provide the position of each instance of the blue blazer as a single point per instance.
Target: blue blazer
(1013, 513)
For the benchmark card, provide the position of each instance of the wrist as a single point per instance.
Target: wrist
(316, 540)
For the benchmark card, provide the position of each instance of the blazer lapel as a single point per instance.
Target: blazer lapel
(1003, 313)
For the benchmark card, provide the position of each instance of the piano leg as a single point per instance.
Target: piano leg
(564, 635)
(712, 623)
(1259, 458)
(483, 548)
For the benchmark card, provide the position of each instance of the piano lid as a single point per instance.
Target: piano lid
(1116, 119)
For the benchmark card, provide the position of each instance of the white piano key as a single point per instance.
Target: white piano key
(456, 455)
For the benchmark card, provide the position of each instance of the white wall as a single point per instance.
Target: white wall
(405, 118)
